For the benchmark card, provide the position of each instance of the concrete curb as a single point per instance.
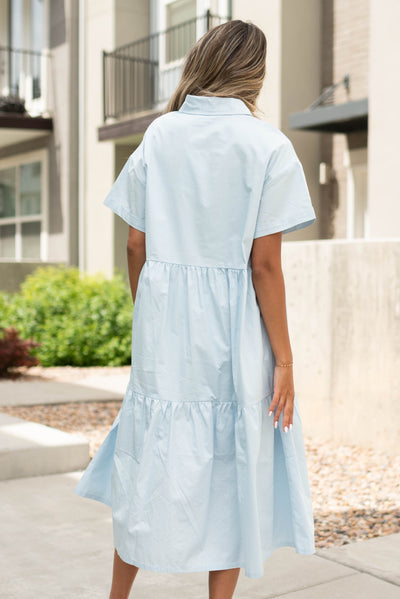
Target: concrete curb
(32, 449)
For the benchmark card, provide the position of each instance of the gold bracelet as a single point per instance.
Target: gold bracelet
(284, 364)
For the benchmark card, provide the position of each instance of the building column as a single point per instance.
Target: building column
(383, 120)
(99, 156)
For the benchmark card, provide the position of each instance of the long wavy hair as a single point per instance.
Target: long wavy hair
(229, 60)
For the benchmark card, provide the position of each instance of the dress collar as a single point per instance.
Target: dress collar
(213, 105)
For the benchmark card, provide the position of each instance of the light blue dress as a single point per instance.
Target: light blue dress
(196, 475)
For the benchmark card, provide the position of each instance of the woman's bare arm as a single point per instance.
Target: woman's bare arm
(269, 286)
(136, 253)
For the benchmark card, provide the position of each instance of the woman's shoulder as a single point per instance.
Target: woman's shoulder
(267, 129)
(262, 135)
(251, 130)
(163, 120)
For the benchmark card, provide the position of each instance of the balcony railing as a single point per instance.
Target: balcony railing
(142, 75)
(23, 74)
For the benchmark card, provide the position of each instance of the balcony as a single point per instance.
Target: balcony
(140, 77)
(23, 94)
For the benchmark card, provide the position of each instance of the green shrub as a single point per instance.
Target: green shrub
(79, 320)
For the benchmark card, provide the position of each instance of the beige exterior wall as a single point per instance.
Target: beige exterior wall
(63, 145)
(344, 321)
(384, 122)
(345, 50)
(132, 20)
(108, 24)
(293, 77)
(99, 157)
(268, 16)
(346, 41)
(300, 85)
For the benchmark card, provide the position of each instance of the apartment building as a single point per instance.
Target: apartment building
(81, 81)
(38, 136)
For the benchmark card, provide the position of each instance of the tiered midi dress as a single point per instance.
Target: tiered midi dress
(196, 474)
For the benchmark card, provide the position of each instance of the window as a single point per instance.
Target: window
(180, 39)
(23, 227)
(25, 58)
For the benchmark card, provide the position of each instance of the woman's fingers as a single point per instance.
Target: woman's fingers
(285, 404)
(273, 403)
(279, 409)
(287, 421)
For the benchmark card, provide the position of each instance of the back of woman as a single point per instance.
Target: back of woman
(205, 181)
(195, 473)
(205, 169)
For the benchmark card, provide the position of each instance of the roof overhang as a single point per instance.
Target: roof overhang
(16, 128)
(128, 130)
(335, 118)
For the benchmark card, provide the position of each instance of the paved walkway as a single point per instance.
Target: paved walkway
(58, 545)
(91, 388)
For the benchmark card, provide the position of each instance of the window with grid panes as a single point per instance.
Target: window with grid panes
(21, 211)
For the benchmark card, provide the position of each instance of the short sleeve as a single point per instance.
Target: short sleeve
(285, 203)
(127, 196)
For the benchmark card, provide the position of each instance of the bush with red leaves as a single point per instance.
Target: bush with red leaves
(15, 352)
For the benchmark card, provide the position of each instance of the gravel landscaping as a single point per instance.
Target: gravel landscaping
(355, 491)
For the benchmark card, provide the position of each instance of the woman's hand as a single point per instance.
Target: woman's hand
(283, 398)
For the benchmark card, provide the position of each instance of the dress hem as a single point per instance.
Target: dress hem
(152, 568)
(209, 568)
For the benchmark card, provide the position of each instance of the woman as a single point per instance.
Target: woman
(204, 467)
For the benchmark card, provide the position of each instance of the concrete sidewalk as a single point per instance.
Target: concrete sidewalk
(58, 545)
(91, 388)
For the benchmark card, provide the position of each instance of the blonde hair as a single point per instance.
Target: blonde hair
(229, 61)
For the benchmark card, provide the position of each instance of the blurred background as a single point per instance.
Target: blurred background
(79, 84)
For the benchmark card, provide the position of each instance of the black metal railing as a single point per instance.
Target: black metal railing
(328, 94)
(140, 75)
(22, 73)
